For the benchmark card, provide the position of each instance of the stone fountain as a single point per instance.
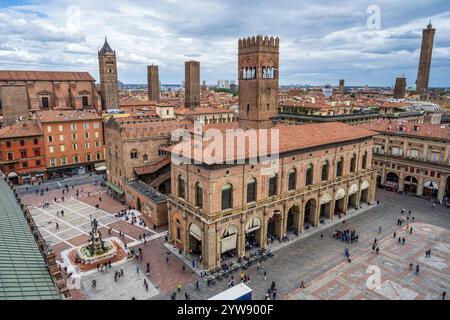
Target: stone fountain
(97, 249)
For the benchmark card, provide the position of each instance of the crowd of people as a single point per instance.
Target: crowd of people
(346, 235)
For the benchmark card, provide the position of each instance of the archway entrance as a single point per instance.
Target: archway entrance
(195, 240)
(274, 227)
(339, 203)
(430, 189)
(447, 187)
(410, 184)
(353, 197)
(13, 177)
(325, 207)
(228, 242)
(365, 192)
(253, 234)
(139, 205)
(164, 187)
(391, 182)
(310, 213)
(293, 219)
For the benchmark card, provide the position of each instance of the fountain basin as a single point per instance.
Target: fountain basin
(99, 255)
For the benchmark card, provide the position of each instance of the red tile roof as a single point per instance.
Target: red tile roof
(67, 115)
(196, 111)
(13, 75)
(410, 128)
(27, 128)
(291, 138)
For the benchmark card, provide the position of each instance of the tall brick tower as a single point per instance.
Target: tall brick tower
(341, 86)
(108, 77)
(400, 87)
(426, 51)
(258, 60)
(192, 84)
(153, 83)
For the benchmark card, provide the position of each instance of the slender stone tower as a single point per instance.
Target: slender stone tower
(153, 83)
(426, 51)
(192, 84)
(258, 59)
(341, 86)
(108, 77)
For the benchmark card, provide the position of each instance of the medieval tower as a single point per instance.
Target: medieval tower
(153, 83)
(108, 77)
(258, 60)
(426, 50)
(192, 84)
(400, 87)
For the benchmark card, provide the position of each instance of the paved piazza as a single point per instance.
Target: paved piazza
(319, 262)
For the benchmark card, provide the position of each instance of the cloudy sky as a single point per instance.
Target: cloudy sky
(322, 41)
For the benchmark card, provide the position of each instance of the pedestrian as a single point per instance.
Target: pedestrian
(413, 219)
(274, 293)
(121, 273)
(62, 213)
(94, 284)
(302, 284)
(137, 269)
(167, 260)
(174, 296)
(197, 286)
(410, 230)
(377, 249)
(411, 266)
(395, 235)
(57, 226)
(321, 236)
(265, 275)
(403, 241)
(184, 268)
(443, 295)
(179, 286)
(379, 229)
(417, 269)
(399, 240)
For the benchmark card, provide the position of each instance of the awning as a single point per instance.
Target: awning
(100, 168)
(353, 189)
(253, 225)
(325, 198)
(114, 188)
(391, 184)
(12, 175)
(228, 243)
(431, 184)
(340, 194)
(364, 185)
(195, 231)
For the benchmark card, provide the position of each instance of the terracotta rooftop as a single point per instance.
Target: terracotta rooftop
(433, 131)
(196, 111)
(13, 75)
(67, 115)
(291, 138)
(27, 128)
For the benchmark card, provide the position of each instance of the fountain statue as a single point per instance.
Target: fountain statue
(96, 249)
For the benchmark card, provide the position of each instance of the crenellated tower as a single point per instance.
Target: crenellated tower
(258, 68)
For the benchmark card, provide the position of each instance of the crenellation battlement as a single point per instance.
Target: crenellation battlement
(259, 42)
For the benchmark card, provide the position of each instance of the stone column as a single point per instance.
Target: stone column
(264, 222)
(383, 174)
(185, 243)
(420, 183)
(317, 213)
(332, 207)
(442, 184)
(210, 255)
(401, 177)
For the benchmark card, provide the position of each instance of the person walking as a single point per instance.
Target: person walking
(417, 269)
(197, 285)
(377, 249)
(410, 230)
(265, 275)
(57, 226)
(395, 235)
(443, 295)
(94, 284)
(179, 286)
(302, 284)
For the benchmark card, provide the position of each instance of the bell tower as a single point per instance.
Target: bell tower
(258, 61)
(108, 77)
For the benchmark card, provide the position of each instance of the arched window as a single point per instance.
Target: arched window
(364, 160)
(133, 154)
(227, 196)
(339, 167)
(198, 195)
(325, 168)
(309, 174)
(353, 164)
(272, 185)
(292, 180)
(145, 157)
(181, 187)
(251, 190)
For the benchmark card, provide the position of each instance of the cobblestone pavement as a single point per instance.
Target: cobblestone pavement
(309, 258)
